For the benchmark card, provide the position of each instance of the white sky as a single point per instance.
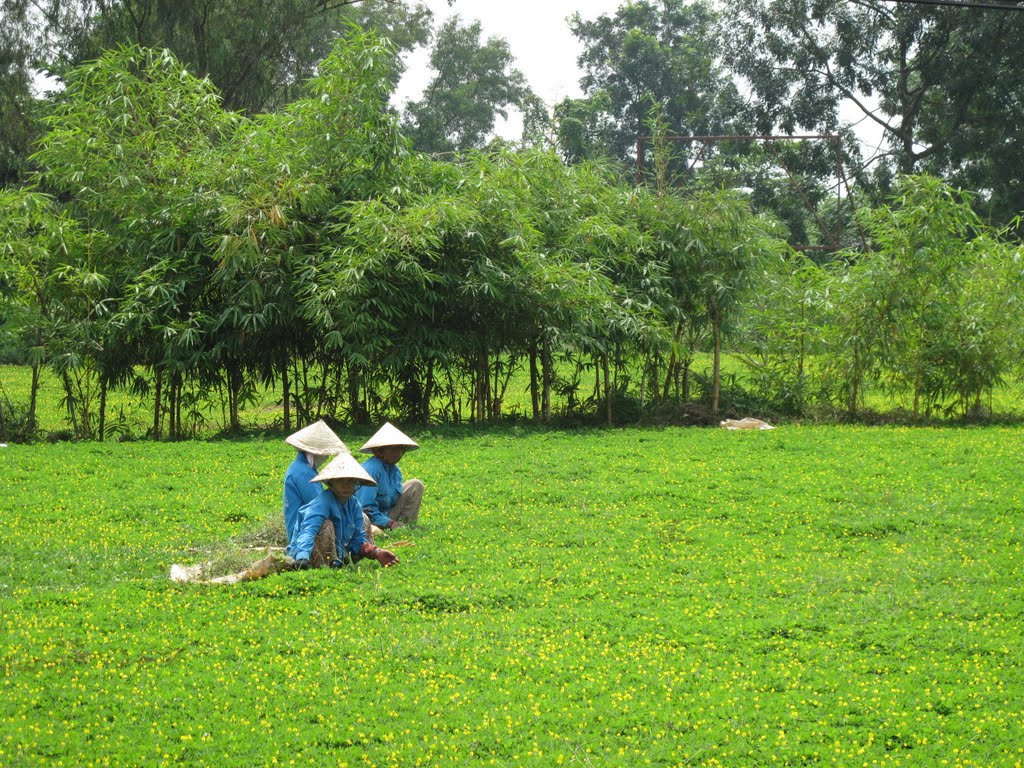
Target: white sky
(537, 32)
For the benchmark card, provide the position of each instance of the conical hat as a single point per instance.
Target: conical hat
(389, 434)
(345, 467)
(318, 439)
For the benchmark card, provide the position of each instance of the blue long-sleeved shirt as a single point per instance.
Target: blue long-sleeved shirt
(346, 518)
(378, 501)
(298, 490)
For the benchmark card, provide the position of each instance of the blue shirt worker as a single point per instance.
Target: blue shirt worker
(315, 444)
(336, 507)
(391, 503)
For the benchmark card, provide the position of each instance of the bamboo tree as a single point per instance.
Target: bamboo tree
(130, 144)
(917, 312)
(783, 325)
(36, 241)
(728, 245)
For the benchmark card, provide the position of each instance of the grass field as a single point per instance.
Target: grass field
(668, 597)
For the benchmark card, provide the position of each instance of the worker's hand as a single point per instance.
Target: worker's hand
(392, 524)
(385, 557)
(367, 550)
(301, 564)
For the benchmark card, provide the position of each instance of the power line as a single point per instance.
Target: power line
(958, 4)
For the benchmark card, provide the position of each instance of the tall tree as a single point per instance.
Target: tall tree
(941, 83)
(290, 179)
(648, 53)
(17, 105)
(473, 84)
(257, 54)
(36, 242)
(129, 149)
(728, 246)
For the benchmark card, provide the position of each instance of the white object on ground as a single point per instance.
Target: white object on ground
(747, 423)
(185, 573)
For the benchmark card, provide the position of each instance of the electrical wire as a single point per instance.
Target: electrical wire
(957, 4)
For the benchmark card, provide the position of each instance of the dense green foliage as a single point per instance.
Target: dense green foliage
(939, 83)
(256, 55)
(665, 597)
(942, 85)
(257, 250)
(177, 251)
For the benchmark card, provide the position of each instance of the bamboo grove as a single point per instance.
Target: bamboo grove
(183, 253)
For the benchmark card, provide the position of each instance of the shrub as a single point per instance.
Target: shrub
(15, 422)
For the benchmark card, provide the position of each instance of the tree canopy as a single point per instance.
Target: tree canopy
(473, 83)
(939, 82)
(648, 54)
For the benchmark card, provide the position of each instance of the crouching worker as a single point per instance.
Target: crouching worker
(390, 502)
(315, 445)
(336, 509)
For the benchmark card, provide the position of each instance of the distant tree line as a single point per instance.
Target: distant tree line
(179, 247)
(941, 85)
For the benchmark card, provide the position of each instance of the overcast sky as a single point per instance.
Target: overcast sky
(538, 35)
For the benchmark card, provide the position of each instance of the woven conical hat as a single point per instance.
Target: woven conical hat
(345, 467)
(389, 434)
(319, 439)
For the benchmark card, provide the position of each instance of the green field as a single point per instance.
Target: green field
(668, 597)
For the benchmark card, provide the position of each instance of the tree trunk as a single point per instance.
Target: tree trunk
(917, 385)
(103, 408)
(428, 391)
(235, 380)
(494, 395)
(70, 400)
(607, 388)
(33, 397)
(336, 390)
(547, 377)
(483, 383)
(300, 387)
(158, 378)
(651, 374)
(717, 370)
(321, 396)
(670, 375)
(172, 410)
(534, 382)
(285, 394)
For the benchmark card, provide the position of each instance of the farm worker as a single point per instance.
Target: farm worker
(315, 444)
(390, 503)
(337, 508)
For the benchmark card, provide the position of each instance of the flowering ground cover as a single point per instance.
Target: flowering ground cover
(668, 597)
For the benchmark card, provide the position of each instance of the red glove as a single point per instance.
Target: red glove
(382, 556)
(392, 524)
